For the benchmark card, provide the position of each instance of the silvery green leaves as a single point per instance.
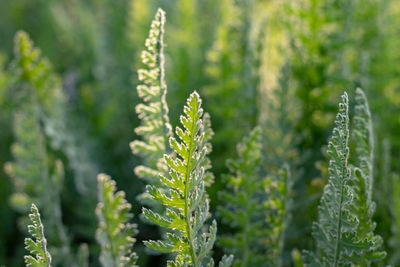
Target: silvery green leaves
(37, 247)
(208, 134)
(336, 226)
(363, 139)
(155, 128)
(183, 194)
(115, 233)
(363, 180)
(344, 231)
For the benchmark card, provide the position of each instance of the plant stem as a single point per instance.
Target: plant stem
(187, 208)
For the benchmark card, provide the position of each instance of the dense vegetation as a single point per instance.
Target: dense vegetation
(262, 151)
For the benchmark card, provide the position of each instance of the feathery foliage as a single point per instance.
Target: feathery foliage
(334, 45)
(37, 83)
(335, 229)
(206, 164)
(243, 207)
(36, 179)
(364, 206)
(40, 128)
(36, 73)
(343, 233)
(115, 233)
(39, 257)
(187, 207)
(328, 45)
(29, 170)
(258, 218)
(153, 112)
(364, 140)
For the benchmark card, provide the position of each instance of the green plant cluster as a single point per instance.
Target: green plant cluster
(261, 76)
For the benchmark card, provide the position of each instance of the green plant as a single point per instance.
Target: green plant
(115, 233)
(187, 206)
(233, 72)
(364, 206)
(242, 204)
(35, 77)
(38, 247)
(37, 179)
(79, 113)
(43, 133)
(344, 231)
(155, 127)
(255, 207)
(334, 45)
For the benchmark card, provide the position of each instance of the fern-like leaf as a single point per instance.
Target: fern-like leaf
(115, 233)
(155, 128)
(184, 197)
(35, 76)
(37, 247)
(364, 139)
(36, 179)
(363, 205)
(243, 204)
(208, 135)
(258, 221)
(337, 231)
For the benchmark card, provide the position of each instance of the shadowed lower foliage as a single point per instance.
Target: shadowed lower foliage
(242, 204)
(255, 207)
(115, 233)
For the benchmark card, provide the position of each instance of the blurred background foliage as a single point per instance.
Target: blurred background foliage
(280, 64)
